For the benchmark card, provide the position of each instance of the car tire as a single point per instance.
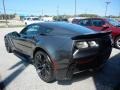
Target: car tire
(44, 66)
(8, 48)
(117, 42)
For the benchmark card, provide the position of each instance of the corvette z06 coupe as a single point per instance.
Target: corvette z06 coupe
(58, 49)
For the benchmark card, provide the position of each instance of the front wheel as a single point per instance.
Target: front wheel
(44, 67)
(8, 48)
(117, 42)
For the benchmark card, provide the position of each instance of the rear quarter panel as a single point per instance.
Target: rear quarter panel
(58, 47)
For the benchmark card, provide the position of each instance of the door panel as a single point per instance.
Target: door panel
(27, 38)
(27, 42)
(16, 41)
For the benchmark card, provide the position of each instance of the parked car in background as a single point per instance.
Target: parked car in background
(47, 19)
(102, 24)
(62, 20)
(59, 49)
(30, 20)
(76, 21)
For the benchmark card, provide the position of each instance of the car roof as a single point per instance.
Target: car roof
(63, 25)
(67, 26)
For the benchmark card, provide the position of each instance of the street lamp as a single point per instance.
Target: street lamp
(42, 12)
(5, 12)
(58, 10)
(75, 8)
(119, 14)
(107, 3)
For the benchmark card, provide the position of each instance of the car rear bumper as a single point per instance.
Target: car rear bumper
(80, 64)
(84, 59)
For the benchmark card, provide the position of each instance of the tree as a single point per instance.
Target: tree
(88, 15)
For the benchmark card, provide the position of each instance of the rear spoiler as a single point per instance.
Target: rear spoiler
(89, 36)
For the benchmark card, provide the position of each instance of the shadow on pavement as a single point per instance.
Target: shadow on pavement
(16, 65)
(1, 84)
(23, 65)
(109, 76)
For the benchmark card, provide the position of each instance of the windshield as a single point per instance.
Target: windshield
(35, 19)
(113, 22)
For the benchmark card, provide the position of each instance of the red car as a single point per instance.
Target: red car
(102, 24)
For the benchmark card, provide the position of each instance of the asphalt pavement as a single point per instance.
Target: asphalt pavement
(18, 74)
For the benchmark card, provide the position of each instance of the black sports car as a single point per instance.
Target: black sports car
(59, 49)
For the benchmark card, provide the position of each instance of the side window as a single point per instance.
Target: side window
(47, 30)
(54, 31)
(59, 31)
(28, 19)
(31, 30)
(98, 23)
(85, 22)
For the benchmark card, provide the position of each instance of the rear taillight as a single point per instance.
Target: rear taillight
(86, 44)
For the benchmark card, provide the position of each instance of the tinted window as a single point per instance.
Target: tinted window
(113, 22)
(85, 22)
(75, 20)
(55, 31)
(98, 23)
(46, 30)
(66, 28)
(35, 18)
(61, 31)
(31, 30)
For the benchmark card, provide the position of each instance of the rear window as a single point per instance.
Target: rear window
(66, 28)
(85, 22)
(75, 20)
(98, 23)
(55, 31)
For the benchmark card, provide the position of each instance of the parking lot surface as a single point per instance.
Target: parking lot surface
(17, 74)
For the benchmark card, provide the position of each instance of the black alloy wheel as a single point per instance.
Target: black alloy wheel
(44, 67)
(8, 48)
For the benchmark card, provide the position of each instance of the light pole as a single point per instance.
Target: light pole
(42, 12)
(57, 10)
(75, 8)
(119, 14)
(107, 3)
(5, 12)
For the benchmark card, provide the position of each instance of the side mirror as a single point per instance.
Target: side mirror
(15, 34)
